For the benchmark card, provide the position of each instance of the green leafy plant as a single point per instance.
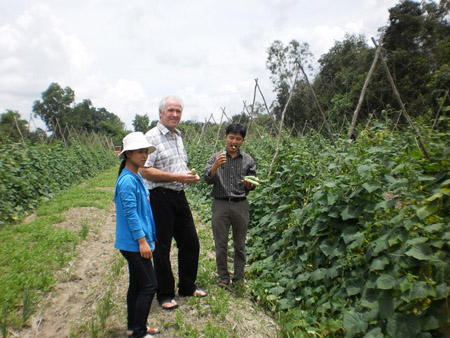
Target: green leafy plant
(352, 240)
(30, 174)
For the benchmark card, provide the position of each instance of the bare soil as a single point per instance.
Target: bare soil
(72, 306)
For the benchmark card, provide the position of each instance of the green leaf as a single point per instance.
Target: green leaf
(332, 197)
(303, 277)
(435, 196)
(382, 205)
(318, 227)
(380, 244)
(353, 286)
(419, 291)
(277, 290)
(350, 212)
(318, 274)
(442, 291)
(400, 325)
(318, 195)
(327, 247)
(406, 284)
(349, 234)
(271, 297)
(379, 263)
(419, 252)
(416, 241)
(332, 272)
(385, 304)
(385, 282)
(430, 323)
(355, 323)
(374, 333)
(371, 187)
(364, 170)
(433, 227)
(427, 210)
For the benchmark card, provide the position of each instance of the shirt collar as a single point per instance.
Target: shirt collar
(238, 154)
(164, 130)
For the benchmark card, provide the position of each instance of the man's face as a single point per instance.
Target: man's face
(171, 115)
(234, 141)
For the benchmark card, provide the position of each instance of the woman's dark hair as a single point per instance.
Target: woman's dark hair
(122, 165)
(236, 128)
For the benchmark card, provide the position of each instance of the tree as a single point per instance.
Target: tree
(141, 123)
(414, 41)
(342, 73)
(284, 63)
(54, 109)
(14, 129)
(59, 117)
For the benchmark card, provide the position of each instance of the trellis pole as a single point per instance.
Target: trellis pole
(267, 109)
(281, 123)
(218, 129)
(316, 101)
(363, 91)
(402, 106)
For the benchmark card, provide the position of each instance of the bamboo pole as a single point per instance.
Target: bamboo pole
(363, 91)
(436, 118)
(267, 109)
(20, 133)
(402, 106)
(316, 101)
(218, 129)
(281, 124)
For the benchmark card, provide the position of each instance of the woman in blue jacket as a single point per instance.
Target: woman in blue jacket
(135, 233)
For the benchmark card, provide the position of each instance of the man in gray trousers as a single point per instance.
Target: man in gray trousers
(226, 170)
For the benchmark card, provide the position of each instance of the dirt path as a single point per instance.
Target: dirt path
(74, 306)
(71, 296)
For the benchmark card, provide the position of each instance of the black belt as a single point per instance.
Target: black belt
(165, 190)
(232, 199)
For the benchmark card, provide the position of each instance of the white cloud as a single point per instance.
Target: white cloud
(126, 55)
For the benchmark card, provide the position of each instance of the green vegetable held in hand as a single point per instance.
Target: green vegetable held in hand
(252, 180)
(194, 172)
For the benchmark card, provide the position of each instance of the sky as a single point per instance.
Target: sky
(125, 55)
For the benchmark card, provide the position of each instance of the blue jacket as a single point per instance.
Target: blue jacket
(134, 216)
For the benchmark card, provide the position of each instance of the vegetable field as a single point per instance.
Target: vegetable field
(31, 173)
(353, 239)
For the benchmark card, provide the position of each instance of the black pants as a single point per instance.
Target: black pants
(141, 291)
(173, 219)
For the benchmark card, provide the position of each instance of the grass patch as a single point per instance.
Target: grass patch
(30, 253)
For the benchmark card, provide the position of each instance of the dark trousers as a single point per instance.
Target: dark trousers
(141, 291)
(173, 219)
(224, 215)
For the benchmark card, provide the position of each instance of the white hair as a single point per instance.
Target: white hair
(162, 103)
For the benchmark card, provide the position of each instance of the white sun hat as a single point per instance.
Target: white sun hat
(134, 141)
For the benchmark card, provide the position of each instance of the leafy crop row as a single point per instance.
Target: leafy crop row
(30, 173)
(353, 240)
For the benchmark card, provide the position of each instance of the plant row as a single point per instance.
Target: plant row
(352, 240)
(29, 174)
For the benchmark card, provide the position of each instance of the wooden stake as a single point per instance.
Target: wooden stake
(363, 91)
(402, 106)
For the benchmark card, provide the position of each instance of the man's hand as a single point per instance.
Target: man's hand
(188, 177)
